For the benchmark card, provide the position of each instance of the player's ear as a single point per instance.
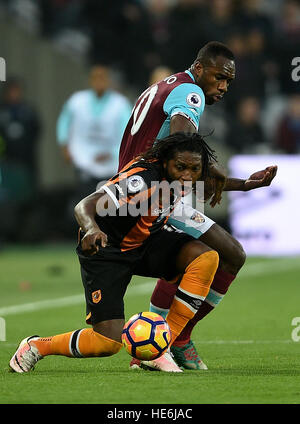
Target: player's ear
(198, 67)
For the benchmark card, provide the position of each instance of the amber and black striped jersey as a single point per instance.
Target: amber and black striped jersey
(142, 201)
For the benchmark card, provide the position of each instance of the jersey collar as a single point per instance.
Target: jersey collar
(190, 74)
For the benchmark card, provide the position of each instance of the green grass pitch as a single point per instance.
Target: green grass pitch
(246, 342)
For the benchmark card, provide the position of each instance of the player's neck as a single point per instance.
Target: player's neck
(192, 71)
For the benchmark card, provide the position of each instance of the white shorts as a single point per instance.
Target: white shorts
(189, 220)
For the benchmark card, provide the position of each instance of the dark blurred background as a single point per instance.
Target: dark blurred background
(50, 45)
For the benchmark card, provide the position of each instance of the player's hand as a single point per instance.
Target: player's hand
(92, 241)
(260, 178)
(215, 185)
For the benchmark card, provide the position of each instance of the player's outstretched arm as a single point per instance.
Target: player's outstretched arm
(257, 179)
(85, 212)
(213, 186)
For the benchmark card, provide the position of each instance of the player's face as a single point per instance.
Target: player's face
(185, 167)
(214, 78)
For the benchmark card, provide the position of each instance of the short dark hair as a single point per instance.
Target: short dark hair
(213, 49)
(166, 148)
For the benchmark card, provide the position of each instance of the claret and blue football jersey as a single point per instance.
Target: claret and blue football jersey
(176, 94)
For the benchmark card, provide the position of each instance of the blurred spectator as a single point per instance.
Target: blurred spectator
(90, 128)
(245, 133)
(271, 8)
(19, 135)
(288, 134)
(19, 132)
(121, 37)
(159, 73)
(255, 69)
(257, 61)
(158, 11)
(218, 20)
(286, 43)
(289, 21)
(57, 15)
(252, 17)
(185, 33)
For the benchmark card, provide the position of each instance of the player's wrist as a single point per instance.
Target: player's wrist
(235, 184)
(92, 228)
(244, 186)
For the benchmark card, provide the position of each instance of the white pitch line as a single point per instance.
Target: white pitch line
(250, 270)
(42, 304)
(144, 288)
(286, 264)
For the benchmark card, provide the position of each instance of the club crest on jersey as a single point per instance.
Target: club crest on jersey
(135, 183)
(193, 99)
(197, 217)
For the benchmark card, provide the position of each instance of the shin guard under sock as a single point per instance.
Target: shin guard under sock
(218, 289)
(82, 343)
(192, 291)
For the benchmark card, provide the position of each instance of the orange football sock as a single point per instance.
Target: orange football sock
(83, 343)
(192, 291)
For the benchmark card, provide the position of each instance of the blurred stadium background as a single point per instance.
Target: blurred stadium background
(49, 46)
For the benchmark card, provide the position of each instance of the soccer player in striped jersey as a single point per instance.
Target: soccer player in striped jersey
(177, 104)
(116, 242)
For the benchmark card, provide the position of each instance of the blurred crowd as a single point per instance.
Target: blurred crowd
(261, 112)
(137, 36)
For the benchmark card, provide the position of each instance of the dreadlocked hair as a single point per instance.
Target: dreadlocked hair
(166, 148)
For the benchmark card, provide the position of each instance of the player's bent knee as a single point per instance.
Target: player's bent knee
(205, 265)
(211, 258)
(234, 258)
(239, 256)
(199, 275)
(189, 252)
(242, 257)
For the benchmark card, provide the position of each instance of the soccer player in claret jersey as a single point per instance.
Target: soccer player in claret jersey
(121, 234)
(176, 104)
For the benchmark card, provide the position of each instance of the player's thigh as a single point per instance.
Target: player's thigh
(105, 282)
(189, 252)
(187, 219)
(229, 249)
(168, 253)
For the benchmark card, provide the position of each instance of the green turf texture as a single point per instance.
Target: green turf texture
(246, 342)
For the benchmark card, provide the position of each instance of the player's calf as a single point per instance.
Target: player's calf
(84, 343)
(193, 288)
